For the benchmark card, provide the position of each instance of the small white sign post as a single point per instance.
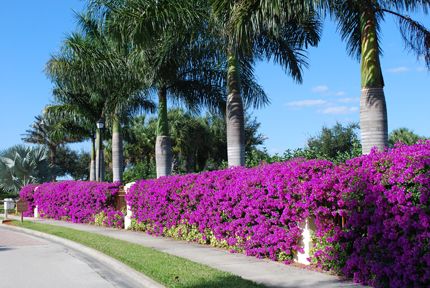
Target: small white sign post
(8, 205)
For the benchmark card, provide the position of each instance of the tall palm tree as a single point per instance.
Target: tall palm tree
(84, 112)
(359, 23)
(109, 79)
(123, 87)
(177, 40)
(174, 66)
(260, 30)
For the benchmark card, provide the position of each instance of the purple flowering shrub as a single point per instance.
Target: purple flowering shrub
(26, 193)
(75, 201)
(383, 197)
(110, 217)
(386, 200)
(256, 210)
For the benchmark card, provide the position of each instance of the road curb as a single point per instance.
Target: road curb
(114, 264)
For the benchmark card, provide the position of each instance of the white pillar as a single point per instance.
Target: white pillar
(5, 206)
(36, 211)
(308, 228)
(127, 218)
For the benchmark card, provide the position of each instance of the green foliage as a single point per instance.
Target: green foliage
(198, 143)
(21, 165)
(100, 218)
(337, 144)
(334, 142)
(405, 136)
(52, 131)
(141, 170)
(73, 163)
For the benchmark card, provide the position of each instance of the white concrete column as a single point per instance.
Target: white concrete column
(306, 242)
(36, 212)
(36, 209)
(127, 218)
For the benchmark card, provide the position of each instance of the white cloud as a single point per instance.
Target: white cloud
(349, 100)
(340, 110)
(307, 103)
(340, 93)
(397, 70)
(421, 69)
(320, 89)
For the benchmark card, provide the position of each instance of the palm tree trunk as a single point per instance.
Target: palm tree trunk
(93, 160)
(234, 115)
(163, 146)
(117, 151)
(53, 160)
(373, 109)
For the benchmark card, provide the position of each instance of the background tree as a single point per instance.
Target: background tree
(334, 141)
(198, 143)
(337, 144)
(51, 131)
(404, 135)
(73, 164)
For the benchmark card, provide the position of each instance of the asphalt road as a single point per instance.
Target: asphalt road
(28, 261)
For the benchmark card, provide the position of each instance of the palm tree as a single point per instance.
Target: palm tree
(20, 165)
(50, 130)
(109, 79)
(174, 66)
(405, 136)
(123, 88)
(177, 40)
(257, 30)
(359, 24)
(85, 112)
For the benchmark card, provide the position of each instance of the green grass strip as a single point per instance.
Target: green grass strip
(169, 270)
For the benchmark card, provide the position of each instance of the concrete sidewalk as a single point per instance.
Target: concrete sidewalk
(266, 272)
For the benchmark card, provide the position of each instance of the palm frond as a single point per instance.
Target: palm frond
(415, 36)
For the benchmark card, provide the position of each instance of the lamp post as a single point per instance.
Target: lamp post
(99, 153)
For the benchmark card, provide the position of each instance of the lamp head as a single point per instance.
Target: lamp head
(100, 124)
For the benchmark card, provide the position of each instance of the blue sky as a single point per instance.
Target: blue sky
(33, 30)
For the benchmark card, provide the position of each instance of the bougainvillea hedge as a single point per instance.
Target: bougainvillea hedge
(75, 201)
(27, 193)
(384, 198)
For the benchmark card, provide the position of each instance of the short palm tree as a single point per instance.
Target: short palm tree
(405, 136)
(359, 23)
(20, 165)
(51, 131)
